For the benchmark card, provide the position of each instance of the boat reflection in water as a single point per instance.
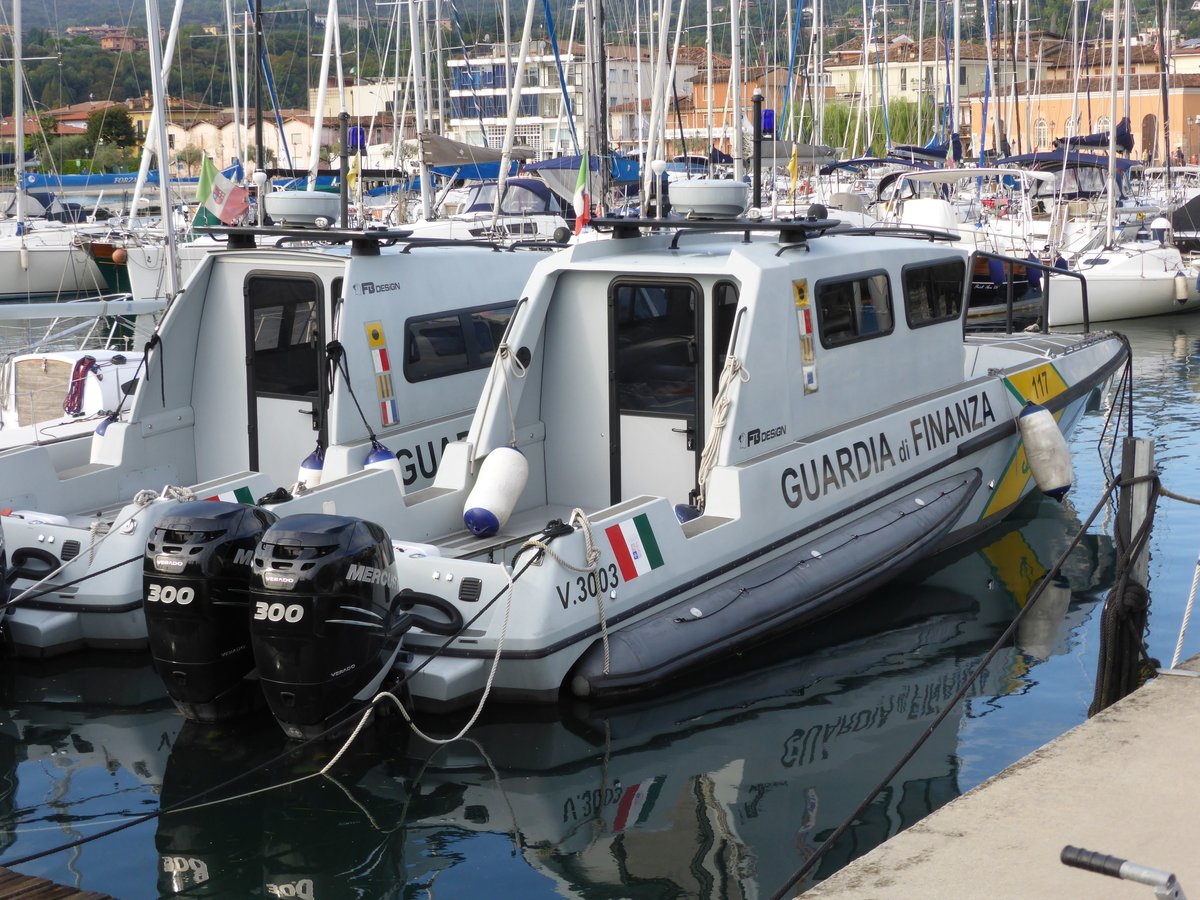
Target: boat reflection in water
(720, 790)
(725, 791)
(83, 744)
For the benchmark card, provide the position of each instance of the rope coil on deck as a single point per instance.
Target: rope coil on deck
(100, 532)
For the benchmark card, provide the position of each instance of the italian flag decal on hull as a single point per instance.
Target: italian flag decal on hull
(636, 803)
(633, 544)
(237, 495)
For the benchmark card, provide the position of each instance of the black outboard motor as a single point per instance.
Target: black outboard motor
(196, 586)
(326, 619)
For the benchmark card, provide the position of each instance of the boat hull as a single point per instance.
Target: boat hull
(1129, 286)
(815, 579)
(804, 493)
(49, 265)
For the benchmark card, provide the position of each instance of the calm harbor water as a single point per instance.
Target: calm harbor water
(722, 789)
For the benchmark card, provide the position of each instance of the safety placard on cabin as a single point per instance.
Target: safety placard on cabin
(808, 363)
(383, 373)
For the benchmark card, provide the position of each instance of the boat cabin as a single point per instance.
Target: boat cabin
(274, 368)
(631, 415)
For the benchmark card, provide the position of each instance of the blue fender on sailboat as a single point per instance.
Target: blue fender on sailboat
(501, 480)
(1046, 450)
(996, 271)
(1034, 273)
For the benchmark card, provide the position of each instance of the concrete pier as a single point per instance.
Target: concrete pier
(1125, 783)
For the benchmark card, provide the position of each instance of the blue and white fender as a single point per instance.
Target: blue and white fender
(311, 468)
(1046, 450)
(501, 480)
(381, 457)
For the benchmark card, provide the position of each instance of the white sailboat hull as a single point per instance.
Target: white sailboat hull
(43, 263)
(1125, 284)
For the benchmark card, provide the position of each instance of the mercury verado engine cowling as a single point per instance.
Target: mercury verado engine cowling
(326, 618)
(196, 586)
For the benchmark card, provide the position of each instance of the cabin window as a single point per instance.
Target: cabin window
(284, 318)
(655, 360)
(454, 342)
(852, 309)
(933, 292)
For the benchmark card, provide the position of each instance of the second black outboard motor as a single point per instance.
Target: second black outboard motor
(326, 618)
(196, 588)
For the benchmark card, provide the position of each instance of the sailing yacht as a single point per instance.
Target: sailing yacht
(45, 258)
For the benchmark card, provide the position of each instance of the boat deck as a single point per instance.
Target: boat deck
(27, 887)
(1123, 783)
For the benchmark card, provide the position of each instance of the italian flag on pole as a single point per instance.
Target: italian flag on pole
(237, 495)
(219, 196)
(582, 200)
(635, 547)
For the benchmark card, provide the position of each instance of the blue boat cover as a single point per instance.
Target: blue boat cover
(36, 180)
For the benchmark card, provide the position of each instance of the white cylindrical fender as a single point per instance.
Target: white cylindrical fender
(1181, 288)
(501, 480)
(1046, 450)
(311, 468)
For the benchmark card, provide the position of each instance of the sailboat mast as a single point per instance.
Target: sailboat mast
(735, 86)
(439, 55)
(1111, 223)
(418, 71)
(1128, 61)
(1028, 79)
(150, 147)
(259, 153)
(514, 106)
(920, 71)
(708, 63)
(601, 97)
(231, 45)
(314, 160)
(954, 80)
(160, 104)
(18, 116)
(1164, 68)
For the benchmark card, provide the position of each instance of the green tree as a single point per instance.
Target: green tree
(191, 156)
(112, 125)
(109, 158)
(268, 155)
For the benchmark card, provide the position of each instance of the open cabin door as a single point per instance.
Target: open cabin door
(657, 365)
(285, 341)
